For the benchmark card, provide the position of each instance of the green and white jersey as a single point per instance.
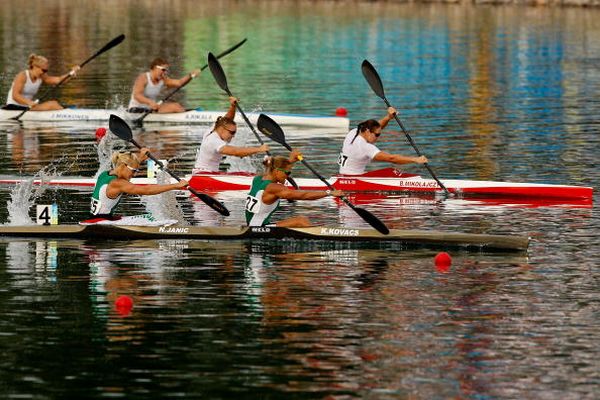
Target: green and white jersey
(101, 203)
(257, 212)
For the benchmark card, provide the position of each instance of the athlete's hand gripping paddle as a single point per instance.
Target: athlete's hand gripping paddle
(123, 131)
(271, 129)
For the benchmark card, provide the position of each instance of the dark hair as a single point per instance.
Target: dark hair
(367, 125)
(158, 61)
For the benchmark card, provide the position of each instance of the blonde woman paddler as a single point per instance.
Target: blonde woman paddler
(26, 84)
(267, 191)
(111, 185)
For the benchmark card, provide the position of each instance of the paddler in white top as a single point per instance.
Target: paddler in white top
(26, 84)
(359, 147)
(215, 143)
(111, 185)
(148, 85)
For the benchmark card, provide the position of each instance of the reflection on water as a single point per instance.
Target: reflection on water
(498, 93)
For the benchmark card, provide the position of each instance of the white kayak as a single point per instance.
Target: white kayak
(188, 117)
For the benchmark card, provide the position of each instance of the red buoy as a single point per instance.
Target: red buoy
(341, 112)
(124, 304)
(100, 132)
(443, 261)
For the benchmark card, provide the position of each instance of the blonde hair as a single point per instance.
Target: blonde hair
(126, 158)
(271, 163)
(36, 59)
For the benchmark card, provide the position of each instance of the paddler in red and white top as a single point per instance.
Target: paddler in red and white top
(111, 185)
(359, 147)
(215, 144)
(148, 85)
(26, 84)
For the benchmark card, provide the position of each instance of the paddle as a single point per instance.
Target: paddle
(271, 129)
(123, 131)
(219, 75)
(106, 47)
(374, 81)
(223, 54)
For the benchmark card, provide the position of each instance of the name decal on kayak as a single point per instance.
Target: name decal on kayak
(339, 232)
(418, 184)
(70, 116)
(164, 229)
(261, 229)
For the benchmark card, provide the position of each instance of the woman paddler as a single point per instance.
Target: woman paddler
(148, 85)
(267, 190)
(26, 84)
(359, 147)
(215, 143)
(111, 185)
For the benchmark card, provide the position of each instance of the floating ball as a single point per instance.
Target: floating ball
(341, 112)
(124, 304)
(100, 132)
(443, 261)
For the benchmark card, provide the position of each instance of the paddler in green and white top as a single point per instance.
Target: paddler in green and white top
(267, 190)
(111, 185)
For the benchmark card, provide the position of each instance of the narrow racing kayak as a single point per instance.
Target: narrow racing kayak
(389, 180)
(188, 117)
(402, 238)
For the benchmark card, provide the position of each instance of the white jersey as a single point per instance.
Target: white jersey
(355, 156)
(151, 91)
(208, 156)
(30, 89)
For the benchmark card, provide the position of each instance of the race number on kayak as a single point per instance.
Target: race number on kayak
(47, 214)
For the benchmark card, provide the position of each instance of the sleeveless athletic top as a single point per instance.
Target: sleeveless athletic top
(151, 91)
(356, 154)
(257, 212)
(101, 203)
(29, 90)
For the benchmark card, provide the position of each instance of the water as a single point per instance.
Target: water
(497, 93)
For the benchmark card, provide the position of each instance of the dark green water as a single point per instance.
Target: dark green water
(495, 93)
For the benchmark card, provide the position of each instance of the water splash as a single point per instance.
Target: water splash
(164, 206)
(24, 195)
(105, 149)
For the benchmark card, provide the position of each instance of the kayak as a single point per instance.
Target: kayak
(395, 181)
(388, 180)
(188, 117)
(402, 238)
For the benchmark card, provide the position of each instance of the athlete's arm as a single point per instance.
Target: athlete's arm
(398, 159)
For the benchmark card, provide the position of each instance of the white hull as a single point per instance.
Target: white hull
(188, 117)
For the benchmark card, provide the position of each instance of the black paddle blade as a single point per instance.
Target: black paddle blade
(372, 220)
(120, 128)
(217, 72)
(106, 47)
(373, 78)
(272, 130)
(211, 202)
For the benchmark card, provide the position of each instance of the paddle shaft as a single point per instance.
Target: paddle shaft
(321, 178)
(140, 119)
(167, 170)
(106, 47)
(414, 145)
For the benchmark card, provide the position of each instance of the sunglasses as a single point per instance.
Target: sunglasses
(134, 170)
(232, 132)
(44, 70)
(165, 69)
(285, 171)
(376, 134)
